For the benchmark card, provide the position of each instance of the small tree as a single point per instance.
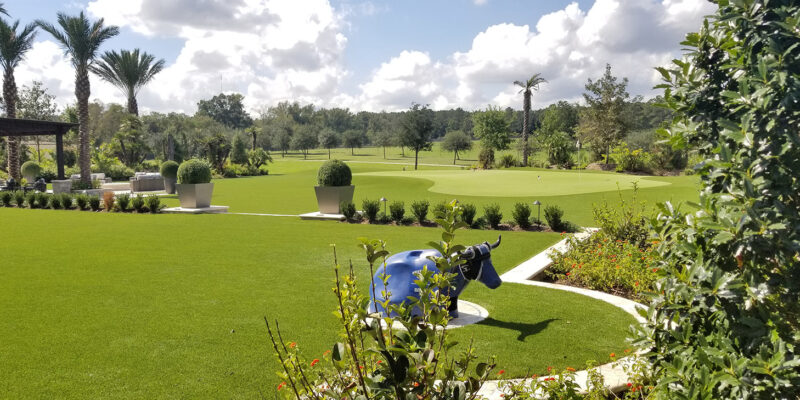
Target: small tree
(382, 139)
(456, 141)
(492, 128)
(601, 123)
(239, 151)
(129, 144)
(328, 139)
(353, 138)
(416, 130)
(304, 139)
(216, 149)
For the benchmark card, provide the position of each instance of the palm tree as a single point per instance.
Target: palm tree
(531, 84)
(3, 10)
(129, 71)
(13, 46)
(81, 39)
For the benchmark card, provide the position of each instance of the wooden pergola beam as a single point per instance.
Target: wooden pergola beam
(29, 127)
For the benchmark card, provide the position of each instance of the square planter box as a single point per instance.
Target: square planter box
(195, 195)
(169, 185)
(64, 186)
(329, 197)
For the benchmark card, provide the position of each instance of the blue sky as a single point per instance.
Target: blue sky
(374, 54)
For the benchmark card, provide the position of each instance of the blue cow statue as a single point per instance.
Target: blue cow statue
(400, 268)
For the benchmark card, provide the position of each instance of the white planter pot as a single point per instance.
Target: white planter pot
(329, 197)
(195, 195)
(64, 186)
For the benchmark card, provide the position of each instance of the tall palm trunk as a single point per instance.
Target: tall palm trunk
(82, 93)
(10, 99)
(526, 122)
(133, 105)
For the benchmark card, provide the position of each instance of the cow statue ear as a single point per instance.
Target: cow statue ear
(469, 253)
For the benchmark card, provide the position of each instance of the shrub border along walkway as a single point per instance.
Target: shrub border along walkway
(614, 374)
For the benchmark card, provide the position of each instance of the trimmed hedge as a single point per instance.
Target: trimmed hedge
(334, 173)
(194, 172)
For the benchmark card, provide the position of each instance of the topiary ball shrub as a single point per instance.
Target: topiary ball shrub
(31, 169)
(334, 173)
(193, 172)
(169, 169)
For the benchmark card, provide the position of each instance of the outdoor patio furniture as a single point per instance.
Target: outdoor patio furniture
(99, 176)
(147, 182)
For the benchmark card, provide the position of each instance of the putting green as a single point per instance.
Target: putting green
(505, 183)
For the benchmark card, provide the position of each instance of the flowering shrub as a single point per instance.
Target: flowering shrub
(614, 266)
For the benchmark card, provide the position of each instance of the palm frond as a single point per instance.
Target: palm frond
(15, 44)
(79, 38)
(3, 10)
(128, 70)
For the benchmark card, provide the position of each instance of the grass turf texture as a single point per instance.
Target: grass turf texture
(170, 306)
(289, 189)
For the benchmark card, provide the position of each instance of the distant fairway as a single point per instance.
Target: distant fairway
(508, 183)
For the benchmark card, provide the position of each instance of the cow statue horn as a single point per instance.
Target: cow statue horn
(469, 253)
(497, 243)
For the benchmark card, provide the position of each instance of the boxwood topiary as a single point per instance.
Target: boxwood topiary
(31, 168)
(334, 173)
(194, 172)
(169, 169)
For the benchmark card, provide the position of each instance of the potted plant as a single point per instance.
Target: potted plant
(169, 171)
(194, 184)
(30, 170)
(333, 179)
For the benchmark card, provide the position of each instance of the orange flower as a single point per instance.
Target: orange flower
(314, 362)
(534, 376)
(281, 386)
(550, 378)
(567, 273)
(416, 384)
(326, 353)
(612, 355)
(570, 369)
(292, 345)
(549, 369)
(501, 372)
(627, 351)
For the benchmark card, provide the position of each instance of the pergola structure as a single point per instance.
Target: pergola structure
(31, 127)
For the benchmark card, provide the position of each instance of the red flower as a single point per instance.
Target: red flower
(636, 283)
(549, 369)
(281, 385)
(570, 369)
(567, 273)
(534, 376)
(416, 384)
(655, 269)
(380, 361)
(314, 362)
(501, 372)
(292, 345)
(550, 378)
(612, 355)
(629, 384)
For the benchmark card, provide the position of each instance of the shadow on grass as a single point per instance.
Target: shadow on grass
(525, 329)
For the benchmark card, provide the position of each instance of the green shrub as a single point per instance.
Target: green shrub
(42, 200)
(493, 215)
(522, 215)
(486, 158)
(82, 201)
(55, 202)
(30, 199)
(420, 210)
(66, 201)
(123, 201)
(439, 209)
(348, 210)
(169, 169)
(94, 202)
(194, 172)
(508, 161)
(153, 203)
(19, 198)
(119, 172)
(334, 173)
(553, 215)
(630, 161)
(137, 203)
(397, 210)
(6, 198)
(468, 213)
(31, 168)
(371, 209)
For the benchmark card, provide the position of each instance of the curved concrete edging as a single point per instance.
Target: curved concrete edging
(614, 374)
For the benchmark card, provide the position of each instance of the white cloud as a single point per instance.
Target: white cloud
(480, 2)
(275, 50)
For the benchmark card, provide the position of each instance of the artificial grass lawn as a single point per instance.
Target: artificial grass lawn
(99, 305)
(289, 189)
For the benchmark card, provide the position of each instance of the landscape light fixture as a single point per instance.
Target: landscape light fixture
(384, 200)
(538, 205)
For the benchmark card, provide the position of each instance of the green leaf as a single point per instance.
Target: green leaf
(337, 353)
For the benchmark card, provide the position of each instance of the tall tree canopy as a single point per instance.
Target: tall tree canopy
(227, 109)
(456, 141)
(492, 128)
(528, 86)
(601, 122)
(416, 130)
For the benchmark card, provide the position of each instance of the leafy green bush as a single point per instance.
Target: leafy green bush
(169, 169)
(439, 209)
(119, 172)
(397, 210)
(137, 203)
(468, 213)
(508, 161)
(348, 210)
(55, 202)
(486, 158)
(19, 198)
(194, 171)
(334, 173)
(625, 221)
(153, 203)
(123, 202)
(258, 158)
(493, 215)
(554, 216)
(31, 169)
(94, 202)
(371, 209)
(374, 362)
(522, 215)
(30, 199)
(6, 198)
(82, 201)
(630, 161)
(420, 210)
(42, 200)
(66, 201)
